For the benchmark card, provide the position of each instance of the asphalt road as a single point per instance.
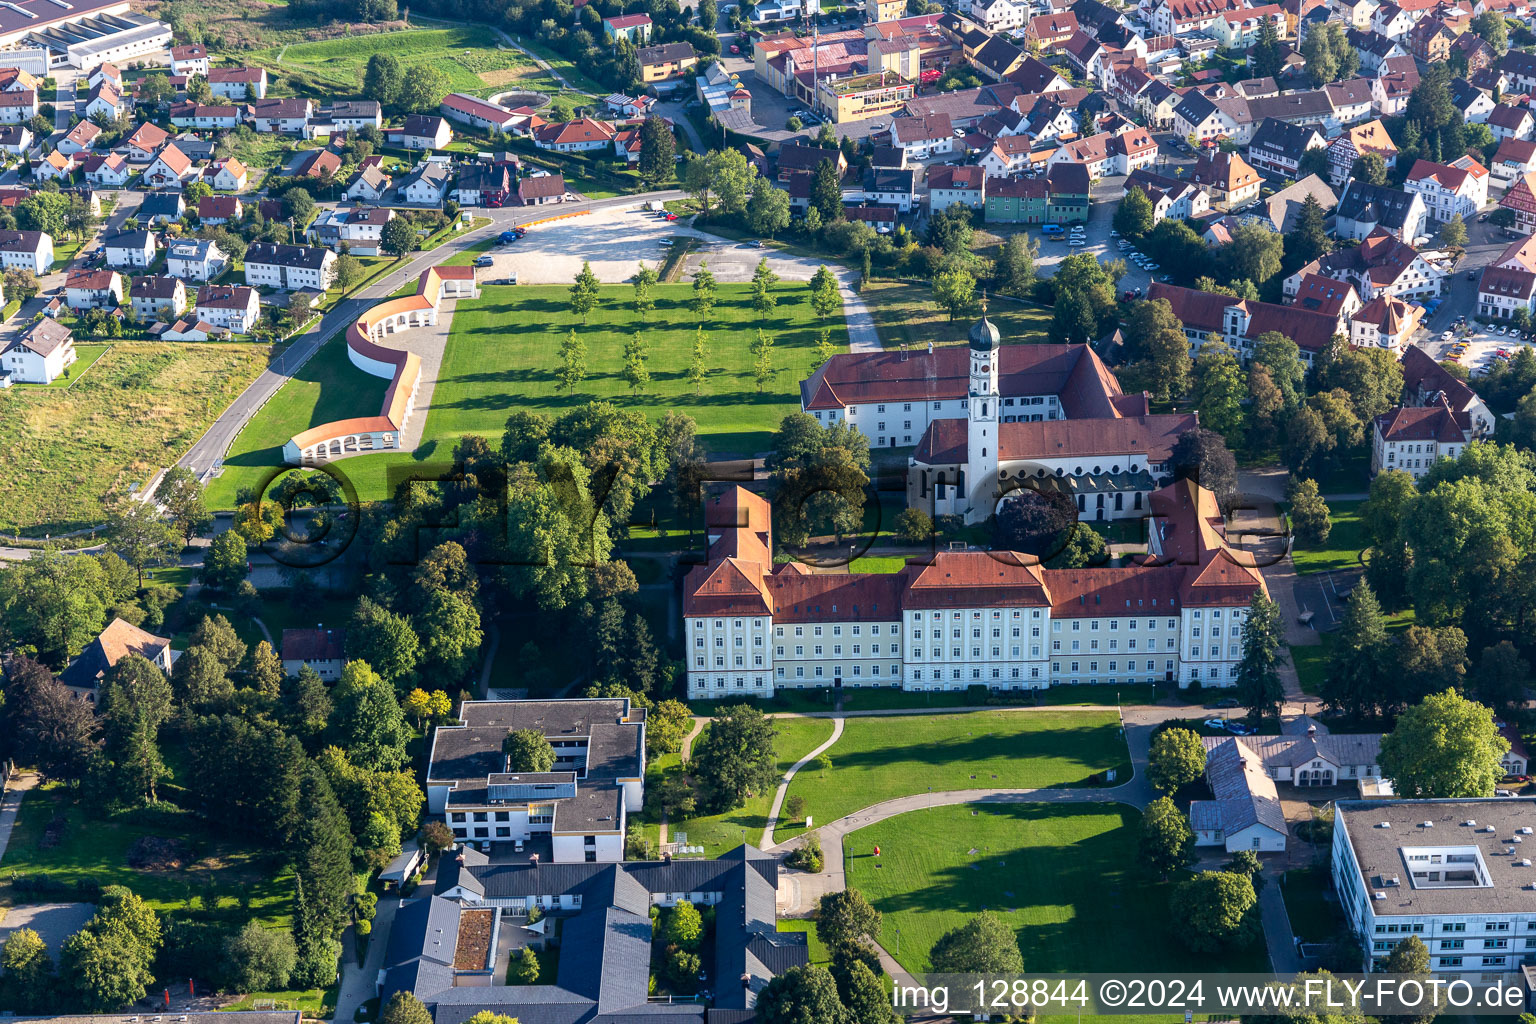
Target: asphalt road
(209, 450)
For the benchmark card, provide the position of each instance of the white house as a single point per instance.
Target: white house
(229, 175)
(109, 170)
(282, 116)
(1449, 190)
(949, 186)
(427, 184)
(130, 249)
(189, 60)
(323, 650)
(79, 138)
(145, 141)
(157, 297)
(170, 167)
(195, 259)
(289, 267)
(238, 83)
(923, 137)
(93, 289)
(371, 185)
(40, 355)
(56, 166)
(29, 250)
(425, 131)
(15, 139)
(1246, 813)
(360, 228)
(233, 306)
(17, 107)
(350, 115)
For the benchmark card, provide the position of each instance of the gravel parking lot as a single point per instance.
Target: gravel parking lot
(1483, 345)
(1097, 242)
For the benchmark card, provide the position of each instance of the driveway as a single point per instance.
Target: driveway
(53, 922)
(359, 983)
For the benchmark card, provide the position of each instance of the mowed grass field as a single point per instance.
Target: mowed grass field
(1065, 876)
(138, 409)
(718, 833)
(882, 757)
(503, 353)
(326, 388)
(1345, 541)
(468, 55)
(904, 312)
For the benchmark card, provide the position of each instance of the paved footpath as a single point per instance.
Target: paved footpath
(778, 797)
(10, 806)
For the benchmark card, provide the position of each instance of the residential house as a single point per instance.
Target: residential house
(288, 267)
(130, 249)
(1186, 17)
(1474, 104)
(949, 185)
(923, 137)
(1430, 40)
(17, 107)
(484, 185)
(1389, 93)
(427, 184)
(56, 166)
(28, 250)
(540, 190)
(1227, 178)
(667, 61)
(1171, 197)
(145, 141)
(1326, 295)
(238, 83)
(40, 356)
(189, 60)
(1105, 154)
(1283, 207)
(371, 184)
(79, 138)
(234, 307)
(229, 175)
(163, 207)
(1392, 21)
(170, 167)
(1351, 103)
(283, 116)
(1008, 156)
(576, 136)
(634, 29)
(191, 330)
(323, 650)
(1479, 55)
(1449, 190)
(195, 259)
(891, 188)
(1354, 143)
(1364, 207)
(1049, 31)
(15, 139)
(1239, 30)
(1277, 147)
(997, 59)
(108, 170)
(86, 674)
(93, 289)
(1246, 812)
(1508, 283)
(1413, 438)
(1513, 160)
(319, 164)
(351, 115)
(1511, 122)
(157, 297)
(215, 210)
(1521, 198)
(361, 228)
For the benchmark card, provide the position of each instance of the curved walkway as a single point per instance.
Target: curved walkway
(778, 797)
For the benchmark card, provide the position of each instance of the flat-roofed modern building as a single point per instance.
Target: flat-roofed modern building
(574, 813)
(1455, 873)
(81, 33)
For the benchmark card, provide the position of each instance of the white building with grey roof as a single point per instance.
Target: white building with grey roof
(1455, 873)
(439, 950)
(574, 813)
(1246, 812)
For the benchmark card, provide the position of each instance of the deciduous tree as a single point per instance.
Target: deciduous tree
(1167, 842)
(1446, 746)
(1177, 758)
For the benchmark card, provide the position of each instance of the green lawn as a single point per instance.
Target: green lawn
(718, 833)
(1311, 661)
(467, 54)
(95, 849)
(502, 354)
(138, 410)
(1344, 545)
(65, 250)
(818, 949)
(1312, 916)
(1065, 877)
(904, 312)
(85, 356)
(326, 388)
(880, 758)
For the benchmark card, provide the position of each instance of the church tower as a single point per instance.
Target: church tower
(982, 419)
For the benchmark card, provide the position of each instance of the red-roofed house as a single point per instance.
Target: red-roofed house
(584, 133)
(1385, 322)
(1449, 189)
(323, 650)
(949, 185)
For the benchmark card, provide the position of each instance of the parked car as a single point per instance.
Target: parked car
(1239, 729)
(1215, 723)
(485, 261)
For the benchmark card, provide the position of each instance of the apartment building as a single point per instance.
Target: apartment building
(289, 267)
(1459, 188)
